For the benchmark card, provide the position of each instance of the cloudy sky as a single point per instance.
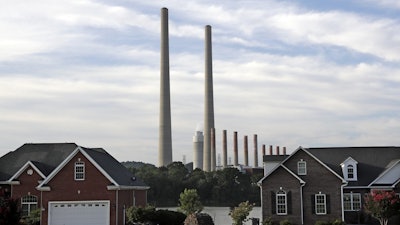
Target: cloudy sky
(297, 73)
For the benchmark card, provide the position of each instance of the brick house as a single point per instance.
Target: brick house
(70, 184)
(324, 184)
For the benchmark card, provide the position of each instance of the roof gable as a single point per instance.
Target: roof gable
(45, 156)
(116, 173)
(390, 176)
(23, 168)
(293, 174)
(317, 160)
(287, 170)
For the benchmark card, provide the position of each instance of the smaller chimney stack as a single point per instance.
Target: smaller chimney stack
(270, 150)
(235, 149)
(263, 150)
(277, 150)
(284, 150)
(255, 151)
(224, 149)
(246, 151)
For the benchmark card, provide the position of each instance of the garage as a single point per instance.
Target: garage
(82, 213)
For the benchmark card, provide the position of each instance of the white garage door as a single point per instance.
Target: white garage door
(82, 213)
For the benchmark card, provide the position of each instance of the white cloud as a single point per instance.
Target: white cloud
(88, 72)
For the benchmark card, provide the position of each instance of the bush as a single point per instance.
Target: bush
(33, 218)
(285, 222)
(338, 222)
(268, 221)
(140, 214)
(322, 223)
(167, 217)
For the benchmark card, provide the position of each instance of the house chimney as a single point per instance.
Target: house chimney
(224, 150)
(270, 150)
(246, 151)
(165, 139)
(277, 150)
(284, 150)
(255, 151)
(263, 149)
(235, 149)
(209, 102)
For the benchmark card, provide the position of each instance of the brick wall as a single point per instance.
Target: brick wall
(318, 179)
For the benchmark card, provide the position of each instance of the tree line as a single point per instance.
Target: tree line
(227, 187)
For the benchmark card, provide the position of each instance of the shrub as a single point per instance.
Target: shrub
(338, 222)
(167, 217)
(319, 222)
(268, 221)
(33, 218)
(285, 222)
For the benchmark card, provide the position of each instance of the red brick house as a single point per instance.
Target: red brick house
(325, 184)
(70, 184)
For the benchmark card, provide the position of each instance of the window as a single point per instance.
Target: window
(320, 204)
(28, 204)
(349, 169)
(79, 171)
(281, 204)
(301, 168)
(352, 201)
(350, 172)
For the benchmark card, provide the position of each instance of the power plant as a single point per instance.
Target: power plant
(204, 142)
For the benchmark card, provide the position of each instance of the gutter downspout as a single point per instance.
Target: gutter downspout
(116, 207)
(41, 207)
(342, 202)
(301, 203)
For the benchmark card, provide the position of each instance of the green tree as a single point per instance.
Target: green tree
(189, 202)
(382, 205)
(240, 213)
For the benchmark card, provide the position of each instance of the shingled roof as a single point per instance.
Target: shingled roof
(372, 161)
(47, 157)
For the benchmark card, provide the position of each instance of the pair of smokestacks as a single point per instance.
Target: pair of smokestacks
(165, 139)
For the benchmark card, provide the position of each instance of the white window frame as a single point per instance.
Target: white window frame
(281, 207)
(320, 205)
(352, 202)
(301, 167)
(350, 168)
(79, 170)
(31, 202)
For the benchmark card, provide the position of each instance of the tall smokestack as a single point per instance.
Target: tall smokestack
(165, 140)
(198, 150)
(224, 150)
(255, 151)
(235, 149)
(246, 151)
(208, 101)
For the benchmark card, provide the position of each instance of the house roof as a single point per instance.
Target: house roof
(46, 157)
(49, 158)
(372, 161)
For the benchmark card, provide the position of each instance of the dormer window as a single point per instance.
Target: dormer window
(79, 170)
(301, 167)
(349, 169)
(350, 172)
